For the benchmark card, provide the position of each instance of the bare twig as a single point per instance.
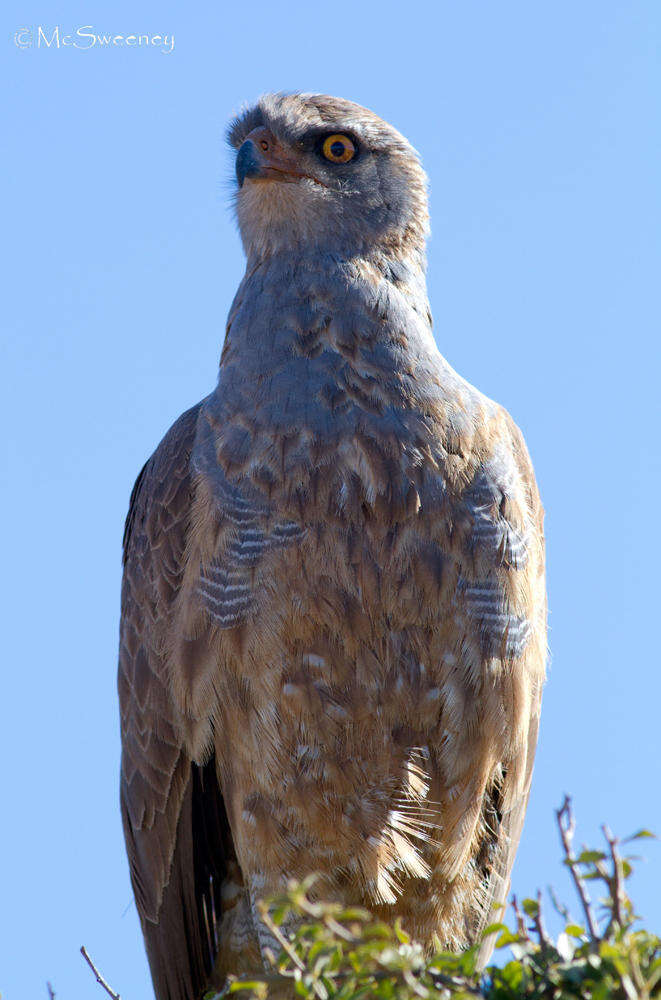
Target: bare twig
(99, 978)
(567, 827)
(279, 936)
(454, 982)
(338, 929)
(51, 991)
(559, 907)
(521, 925)
(616, 881)
(544, 940)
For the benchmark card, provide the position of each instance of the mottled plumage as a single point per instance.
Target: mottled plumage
(333, 611)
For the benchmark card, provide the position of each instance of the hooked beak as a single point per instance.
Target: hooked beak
(247, 162)
(261, 157)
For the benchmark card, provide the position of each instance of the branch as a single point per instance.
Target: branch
(277, 979)
(544, 940)
(567, 826)
(279, 936)
(521, 926)
(616, 881)
(99, 978)
(559, 907)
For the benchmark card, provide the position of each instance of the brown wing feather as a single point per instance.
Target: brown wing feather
(514, 791)
(508, 834)
(176, 830)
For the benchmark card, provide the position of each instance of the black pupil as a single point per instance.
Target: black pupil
(337, 149)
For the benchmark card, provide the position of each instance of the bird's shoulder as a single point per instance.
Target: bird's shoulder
(154, 556)
(161, 492)
(478, 451)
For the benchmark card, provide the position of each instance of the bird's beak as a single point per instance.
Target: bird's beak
(262, 157)
(247, 162)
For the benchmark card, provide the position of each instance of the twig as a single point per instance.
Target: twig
(51, 991)
(338, 929)
(559, 907)
(544, 940)
(279, 936)
(99, 978)
(567, 826)
(276, 979)
(615, 882)
(453, 982)
(521, 927)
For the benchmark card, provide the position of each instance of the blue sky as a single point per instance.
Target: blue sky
(539, 127)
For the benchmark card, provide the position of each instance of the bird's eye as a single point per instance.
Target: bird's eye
(338, 148)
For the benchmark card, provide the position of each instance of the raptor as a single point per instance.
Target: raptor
(333, 626)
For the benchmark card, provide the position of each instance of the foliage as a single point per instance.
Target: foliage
(338, 953)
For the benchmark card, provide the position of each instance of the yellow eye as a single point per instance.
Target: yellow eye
(338, 148)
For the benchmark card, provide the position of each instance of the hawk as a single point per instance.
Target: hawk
(333, 624)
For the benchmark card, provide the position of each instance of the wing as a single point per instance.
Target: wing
(508, 524)
(492, 684)
(176, 830)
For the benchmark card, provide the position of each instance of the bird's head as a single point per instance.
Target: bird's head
(320, 173)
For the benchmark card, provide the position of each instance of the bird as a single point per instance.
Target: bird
(333, 611)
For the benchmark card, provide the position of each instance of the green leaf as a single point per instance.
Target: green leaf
(512, 975)
(493, 929)
(589, 857)
(400, 933)
(279, 914)
(640, 835)
(506, 939)
(257, 987)
(356, 913)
